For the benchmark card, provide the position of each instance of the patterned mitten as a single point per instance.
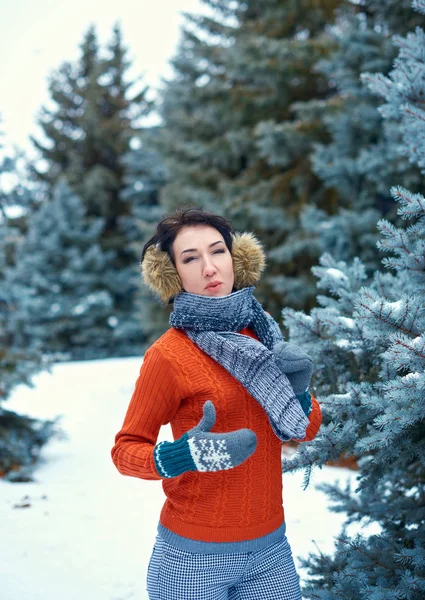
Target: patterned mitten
(198, 450)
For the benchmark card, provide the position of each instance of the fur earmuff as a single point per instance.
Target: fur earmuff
(160, 275)
(249, 259)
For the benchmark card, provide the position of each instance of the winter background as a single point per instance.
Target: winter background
(38, 37)
(82, 530)
(302, 122)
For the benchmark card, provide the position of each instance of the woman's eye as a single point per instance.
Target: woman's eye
(192, 257)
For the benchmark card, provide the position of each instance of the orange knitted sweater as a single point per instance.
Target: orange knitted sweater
(175, 380)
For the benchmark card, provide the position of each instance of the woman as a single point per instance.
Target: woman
(233, 391)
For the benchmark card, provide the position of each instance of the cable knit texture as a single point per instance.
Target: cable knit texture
(175, 381)
(212, 322)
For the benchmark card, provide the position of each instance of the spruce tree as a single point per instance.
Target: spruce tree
(231, 140)
(86, 135)
(21, 437)
(367, 340)
(361, 161)
(62, 277)
(145, 177)
(18, 363)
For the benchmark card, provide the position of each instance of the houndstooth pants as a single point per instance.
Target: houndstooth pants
(267, 574)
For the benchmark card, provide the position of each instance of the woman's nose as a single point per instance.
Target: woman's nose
(209, 268)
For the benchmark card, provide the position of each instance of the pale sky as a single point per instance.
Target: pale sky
(37, 36)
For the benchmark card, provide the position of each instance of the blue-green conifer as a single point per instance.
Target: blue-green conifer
(367, 339)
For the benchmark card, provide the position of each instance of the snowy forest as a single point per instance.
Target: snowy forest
(303, 122)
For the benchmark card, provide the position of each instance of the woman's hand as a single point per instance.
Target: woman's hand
(295, 363)
(199, 450)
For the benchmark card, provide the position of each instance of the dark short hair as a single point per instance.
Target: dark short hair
(169, 226)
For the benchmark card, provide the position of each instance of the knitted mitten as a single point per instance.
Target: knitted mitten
(295, 363)
(298, 367)
(198, 450)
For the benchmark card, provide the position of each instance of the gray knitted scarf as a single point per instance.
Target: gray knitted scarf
(212, 323)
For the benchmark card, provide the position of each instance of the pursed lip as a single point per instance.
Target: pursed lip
(213, 284)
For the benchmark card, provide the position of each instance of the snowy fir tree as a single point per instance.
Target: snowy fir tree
(145, 177)
(367, 339)
(18, 363)
(361, 160)
(271, 68)
(86, 135)
(21, 437)
(230, 139)
(62, 278)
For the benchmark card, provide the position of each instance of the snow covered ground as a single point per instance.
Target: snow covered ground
(82, 531)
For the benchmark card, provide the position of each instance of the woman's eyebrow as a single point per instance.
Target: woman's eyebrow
(195, 249)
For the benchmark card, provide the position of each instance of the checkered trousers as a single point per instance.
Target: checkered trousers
(267, 574)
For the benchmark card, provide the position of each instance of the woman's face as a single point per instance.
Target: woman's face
(201, 258)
